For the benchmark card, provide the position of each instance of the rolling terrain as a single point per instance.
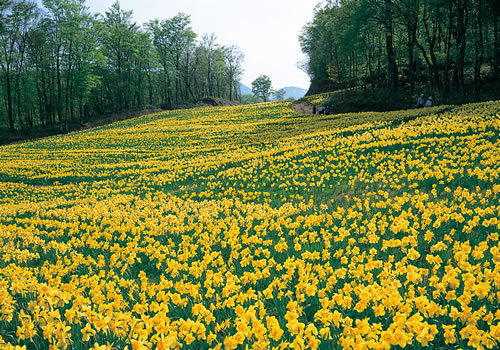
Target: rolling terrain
(222, 227)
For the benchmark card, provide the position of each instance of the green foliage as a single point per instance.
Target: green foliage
(261, 87)
(445, 44)
(64, 66)
(250, 99)
(279, 95)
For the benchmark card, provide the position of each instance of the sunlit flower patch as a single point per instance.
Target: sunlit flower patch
(253, 226)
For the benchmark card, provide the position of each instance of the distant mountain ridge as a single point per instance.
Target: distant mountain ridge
(291, 91)
(245, 90)
(295, 92)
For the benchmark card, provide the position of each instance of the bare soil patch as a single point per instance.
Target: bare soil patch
(303, 107)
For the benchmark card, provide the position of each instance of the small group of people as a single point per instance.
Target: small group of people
(421, 102)
(321, 110)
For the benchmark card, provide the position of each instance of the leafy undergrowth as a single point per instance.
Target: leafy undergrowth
(251, 225)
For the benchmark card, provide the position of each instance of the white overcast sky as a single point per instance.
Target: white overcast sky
(265, 30)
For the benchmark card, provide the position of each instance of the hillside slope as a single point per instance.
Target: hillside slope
(255, 225)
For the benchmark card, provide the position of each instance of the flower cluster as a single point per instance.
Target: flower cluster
(252, 226)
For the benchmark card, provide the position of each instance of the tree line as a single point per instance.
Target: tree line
(446, 45)
(62, 65)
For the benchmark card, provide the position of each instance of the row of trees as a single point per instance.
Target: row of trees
(445, 44)
(61, 64)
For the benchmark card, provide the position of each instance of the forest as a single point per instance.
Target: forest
(61, 64)
(445, 46)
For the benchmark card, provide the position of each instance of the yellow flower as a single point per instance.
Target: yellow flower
(239, 338)
(400, 338)
(449, 334)
(189, 339)
(274, 328)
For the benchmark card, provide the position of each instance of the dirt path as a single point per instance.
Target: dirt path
(302, 107)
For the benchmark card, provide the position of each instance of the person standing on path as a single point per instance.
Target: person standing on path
(428, 103)
(420, 101)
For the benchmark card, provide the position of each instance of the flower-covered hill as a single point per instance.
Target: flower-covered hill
(232, 226)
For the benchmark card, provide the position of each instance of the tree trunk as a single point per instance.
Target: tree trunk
(391, 58)
(68, 79)
(18, 75)
(80, 105)
(462, 12)
(18, 98)
(40, 101)
(50, 99)
(59, 88)
(139, 89)
(496, 63)
(369, 60)
(230, 89)
(71, 104)
(168, 92)
(177, 79)
(150, 89)
(10, 114)
(448, 49)
(190, 90)
(120, 85)
(435, 67)
(209, 76)
(431, 40)
(128, 98)
(44, 92)
(478, 47)
(412, 35)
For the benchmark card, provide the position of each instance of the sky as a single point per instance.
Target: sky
(266, 31)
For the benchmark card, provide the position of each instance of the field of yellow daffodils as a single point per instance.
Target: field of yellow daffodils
(255, 227)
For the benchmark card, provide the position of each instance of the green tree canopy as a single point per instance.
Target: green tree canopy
(261, 87)
(279, 95)
(441, 44)
(61, 66)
